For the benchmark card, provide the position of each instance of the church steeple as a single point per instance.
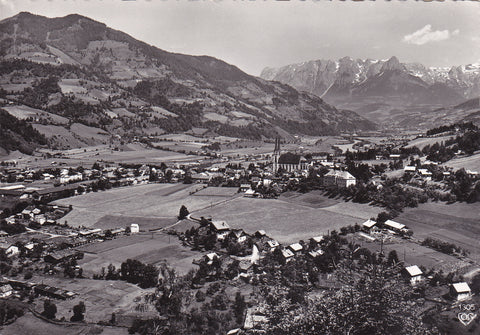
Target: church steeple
(276, 155)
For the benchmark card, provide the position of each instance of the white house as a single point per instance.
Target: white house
(134, 228)
(460, 291)
(295, 247)
(287, 254)
(272, 244)
(409, 168)
(413, 274)
(12, 251)
(5, 291)
(369, 224)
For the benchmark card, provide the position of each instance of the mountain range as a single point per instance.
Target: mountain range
(354, 79)
(388, 92)
(73, 71)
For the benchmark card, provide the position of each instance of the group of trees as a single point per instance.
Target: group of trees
(445, 247)
(132, 271)
(468, 142)
(373, 300)
(136, 272)
(50, 311)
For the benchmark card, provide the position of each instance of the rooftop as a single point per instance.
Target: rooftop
(461, 287)
(413, 270)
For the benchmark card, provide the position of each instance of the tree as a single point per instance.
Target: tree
(392, 258)
(49, 309)
(183, 212)
(78, 312)
(475, 286)
(239, 307)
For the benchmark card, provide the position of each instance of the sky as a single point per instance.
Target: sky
(257, 34)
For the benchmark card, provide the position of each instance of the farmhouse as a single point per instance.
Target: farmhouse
(260, 233)
(237, 235)
(53, 292)
(395, 226)
(460, 291)
(368, 225)
(62, 256)
(410, 169)
(295, 247)
(272, 244)
(5, 291)
(134, 228)
(12, 251)
(413, 274)
(339, 178)
(315, 253)
(209, 258)
(317, 239)
(425, 174)
(287, 254)
(219, 226)
(90, 232)
(244, 187)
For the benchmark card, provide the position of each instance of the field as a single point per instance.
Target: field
(101, 298)
(290, 218)
(23, 112)
(457, 223)
(150, 205)
(415, 254)
(469, 163)
(423, 142)
(148, 248)
(29, 324)
(135, 153)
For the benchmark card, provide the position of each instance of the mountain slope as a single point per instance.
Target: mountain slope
(81, 69)
(18, 134)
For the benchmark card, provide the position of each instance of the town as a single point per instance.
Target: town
(239, 168)
(39, 242)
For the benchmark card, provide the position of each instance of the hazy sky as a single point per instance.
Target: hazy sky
(256, 34)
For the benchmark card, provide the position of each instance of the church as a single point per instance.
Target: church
(288, 162)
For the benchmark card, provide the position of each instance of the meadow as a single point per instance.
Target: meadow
(290, 218)
(468, 163)
(456, 223)
(149, 205)
(151, 248)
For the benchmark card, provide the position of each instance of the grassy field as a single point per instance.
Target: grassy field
(101, 298)
(423, 142)
(218, 191)
(290, 218)
(415, 254)
(23, 112)
(148, 248)
(468, 163)
(95, 151)
(457, 223)
(148, 205)
(29, 324)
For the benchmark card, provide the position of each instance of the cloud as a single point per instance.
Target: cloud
(426, 35)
